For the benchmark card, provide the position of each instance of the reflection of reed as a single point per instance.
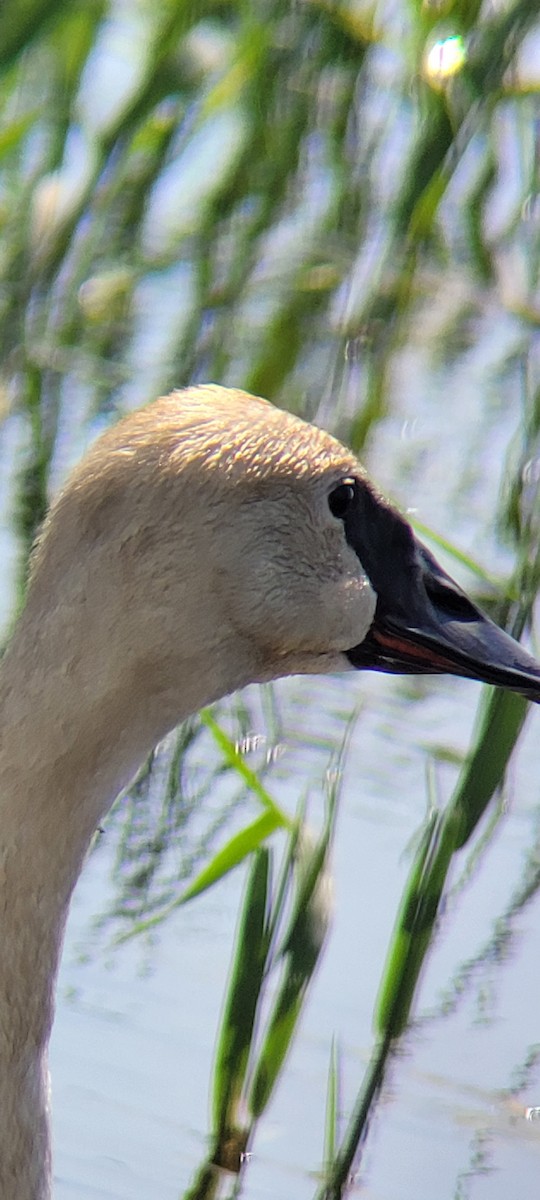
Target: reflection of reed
(277, 198)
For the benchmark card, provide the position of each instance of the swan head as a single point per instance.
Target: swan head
(198, 534)
(214, 539)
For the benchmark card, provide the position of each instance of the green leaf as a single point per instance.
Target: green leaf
(234, 852)
(278, 1039)
(234, 759)
(500, 722)
(244, 993)
(414, 925)
(231, 855)
(301, 950)
(331, 1125)
(13, 133)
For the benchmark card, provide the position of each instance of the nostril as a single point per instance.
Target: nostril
(449, 600)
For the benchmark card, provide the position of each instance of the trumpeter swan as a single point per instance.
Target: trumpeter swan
(205, 542)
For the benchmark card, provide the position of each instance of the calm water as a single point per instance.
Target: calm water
(133, 1041)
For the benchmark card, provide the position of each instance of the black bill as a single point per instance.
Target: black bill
(423, 622)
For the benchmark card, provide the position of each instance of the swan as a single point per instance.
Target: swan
(205, 542)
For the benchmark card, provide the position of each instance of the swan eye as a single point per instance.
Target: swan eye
(342, 497)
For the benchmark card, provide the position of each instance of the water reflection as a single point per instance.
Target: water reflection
(363, 248)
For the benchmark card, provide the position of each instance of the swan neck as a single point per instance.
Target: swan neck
(66, 750)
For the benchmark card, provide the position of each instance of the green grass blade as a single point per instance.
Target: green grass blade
(337, 1176)
(234, 759)
(331, 1124)
(301, 950)
(245, 988)
(414, 927)
(232, 854)
(501, 719)
(278, 1039)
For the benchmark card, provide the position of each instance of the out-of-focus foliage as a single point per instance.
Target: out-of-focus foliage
(278, 196)
(257, 194)
(281, 196)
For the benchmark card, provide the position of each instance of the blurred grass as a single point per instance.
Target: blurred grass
(90, 181)
(278, 197)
